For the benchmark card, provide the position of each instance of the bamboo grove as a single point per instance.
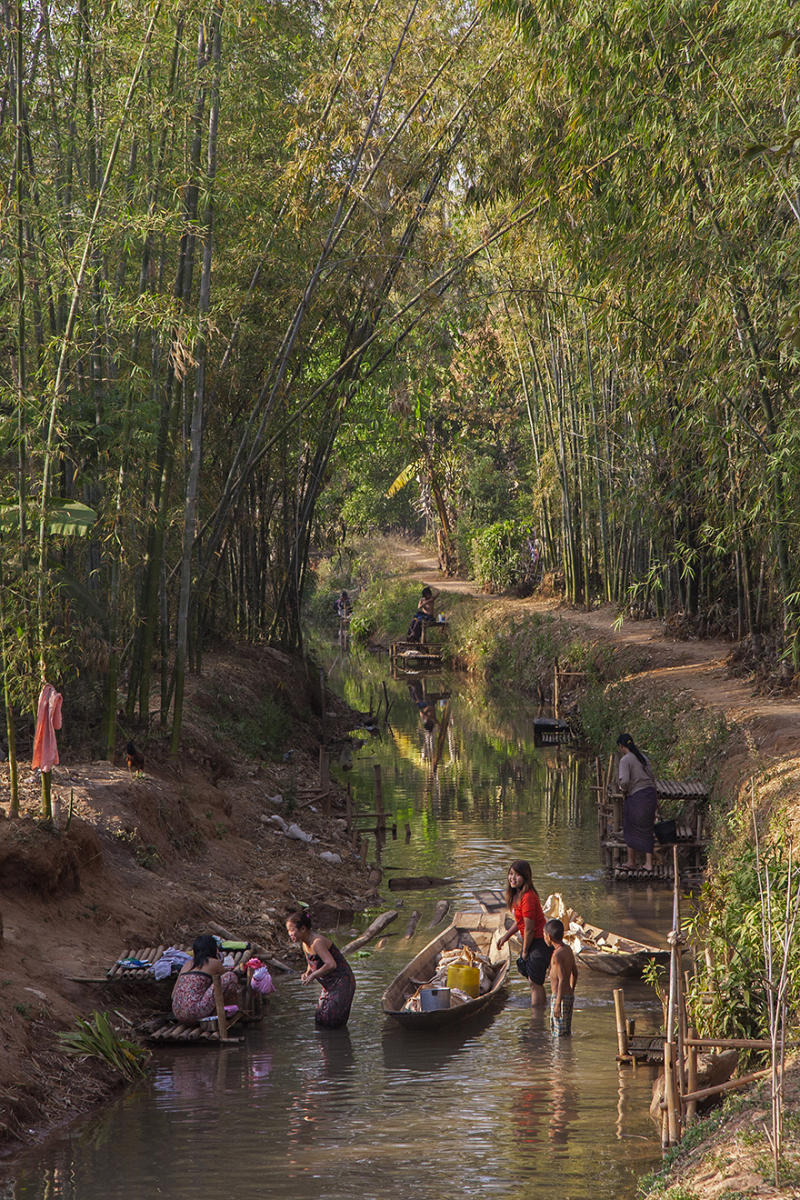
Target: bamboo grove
(619, 372)
(209, 209)
(539, 259)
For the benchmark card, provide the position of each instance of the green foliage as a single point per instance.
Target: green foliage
(261, 734)
(96, 1038)
(682, 740)
(497, 556)
(383, 610)
(329, 577)
(518, 652)
(729, 997)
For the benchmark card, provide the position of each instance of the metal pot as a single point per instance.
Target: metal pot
(433, 999)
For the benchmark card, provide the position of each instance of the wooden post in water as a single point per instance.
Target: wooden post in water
(672, 1068)
(555, 688)
(379, 795)
(622, 1030)
(691, 1086)
(672, 1130)
(322, 703)
(219, 1000)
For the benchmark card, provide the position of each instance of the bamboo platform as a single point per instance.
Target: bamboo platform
(172, 1032)
(414, 654)
(548, 731)
(691, 838)
(422, 654)
(148, 955)
(643, 1048)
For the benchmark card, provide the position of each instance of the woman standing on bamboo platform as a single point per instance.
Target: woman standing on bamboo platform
(193, 994)
(327, 965)
(638, 786)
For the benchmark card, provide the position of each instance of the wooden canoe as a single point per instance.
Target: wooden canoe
(480, 932)
(613, 954)
(599, 949)
(596, 948)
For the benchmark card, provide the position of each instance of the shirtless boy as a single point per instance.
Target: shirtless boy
(563, 977)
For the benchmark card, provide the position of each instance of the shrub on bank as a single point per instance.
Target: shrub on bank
(496, 558)
(520, 651)
(682, 740)
(730, 918)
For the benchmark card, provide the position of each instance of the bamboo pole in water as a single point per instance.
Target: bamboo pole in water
(622, 1031)
(691, 1105)
(219, 1000)
(671, 1088)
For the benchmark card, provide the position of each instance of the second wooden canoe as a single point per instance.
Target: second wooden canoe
(596, 948)
(479, 931)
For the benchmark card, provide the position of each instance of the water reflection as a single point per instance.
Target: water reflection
(489, 1109)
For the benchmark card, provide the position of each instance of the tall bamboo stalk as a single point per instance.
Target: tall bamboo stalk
(193, 480)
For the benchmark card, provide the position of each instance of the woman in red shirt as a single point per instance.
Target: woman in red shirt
(523, 900)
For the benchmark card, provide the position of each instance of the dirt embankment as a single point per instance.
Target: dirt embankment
(156, 856)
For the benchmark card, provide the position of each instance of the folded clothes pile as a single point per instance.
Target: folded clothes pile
(171, 960)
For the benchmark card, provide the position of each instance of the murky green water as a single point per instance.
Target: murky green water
(497, 1110)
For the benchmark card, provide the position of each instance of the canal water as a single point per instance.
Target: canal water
(497, 1109)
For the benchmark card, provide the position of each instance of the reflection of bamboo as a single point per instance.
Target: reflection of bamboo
(443, 727)
(573, 806)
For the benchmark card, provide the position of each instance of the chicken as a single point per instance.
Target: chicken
(134, 758)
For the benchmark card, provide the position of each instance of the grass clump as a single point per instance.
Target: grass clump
(510, 651)
(96, 1038)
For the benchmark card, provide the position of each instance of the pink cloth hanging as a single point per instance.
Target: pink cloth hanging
(48, 720)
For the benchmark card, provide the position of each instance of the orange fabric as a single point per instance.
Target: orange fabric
(529, 907)
(48, 720)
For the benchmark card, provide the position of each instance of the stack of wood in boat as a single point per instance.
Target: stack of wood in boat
(598, 948)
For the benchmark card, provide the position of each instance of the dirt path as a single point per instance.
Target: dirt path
(699, 667)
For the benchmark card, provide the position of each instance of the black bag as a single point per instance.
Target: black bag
(666, 832)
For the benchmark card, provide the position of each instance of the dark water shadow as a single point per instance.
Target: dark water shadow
(406, 1050)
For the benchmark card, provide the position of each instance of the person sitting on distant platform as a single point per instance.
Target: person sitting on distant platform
(424, 615)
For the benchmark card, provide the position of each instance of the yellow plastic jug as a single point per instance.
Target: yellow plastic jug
(467, 978)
